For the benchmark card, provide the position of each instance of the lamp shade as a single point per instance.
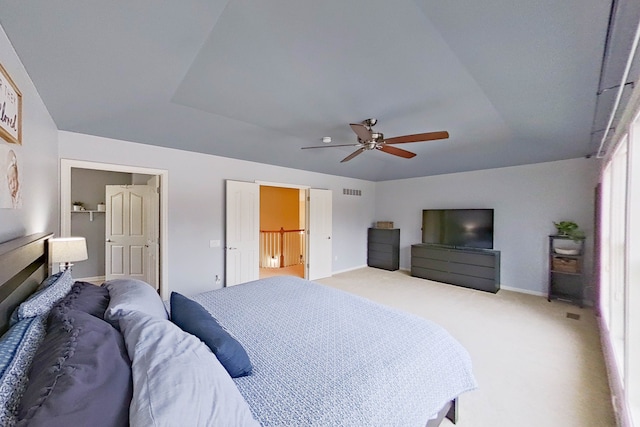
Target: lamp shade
(67, 249)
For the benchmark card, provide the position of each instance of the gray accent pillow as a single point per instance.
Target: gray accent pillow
(84, 297)
(81, 375)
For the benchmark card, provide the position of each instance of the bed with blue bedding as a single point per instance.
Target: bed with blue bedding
(275, 352)
(324, 357)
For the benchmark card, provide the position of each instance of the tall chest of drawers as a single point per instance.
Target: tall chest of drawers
(383, 248)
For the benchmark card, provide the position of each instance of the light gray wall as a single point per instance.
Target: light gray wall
(527, 199)
(197, 203)
(140, 179)
(87, 186)
(37, 158)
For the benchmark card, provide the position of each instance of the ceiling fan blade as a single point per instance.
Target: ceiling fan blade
(418, 137)
(397, 151)
(361, 130)
(352, 155)
(330, 146)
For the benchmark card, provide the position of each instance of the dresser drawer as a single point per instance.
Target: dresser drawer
(381, 235)
(381, 247)
(463, 267)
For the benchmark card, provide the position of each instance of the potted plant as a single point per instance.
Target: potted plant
(569, 229)
(78, 206)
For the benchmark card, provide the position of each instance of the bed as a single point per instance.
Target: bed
(315, 355)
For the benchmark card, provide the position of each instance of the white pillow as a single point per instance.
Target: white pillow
(177, 380)
(130, 295)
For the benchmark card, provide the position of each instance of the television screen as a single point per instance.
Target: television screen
(470, 228)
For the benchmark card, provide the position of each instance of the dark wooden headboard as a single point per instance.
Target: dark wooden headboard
(23, 265)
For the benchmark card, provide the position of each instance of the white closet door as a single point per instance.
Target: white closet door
(126, 240)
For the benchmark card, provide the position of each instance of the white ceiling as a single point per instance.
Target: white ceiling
(513, 81)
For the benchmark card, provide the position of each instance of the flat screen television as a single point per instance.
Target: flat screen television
(468, 228)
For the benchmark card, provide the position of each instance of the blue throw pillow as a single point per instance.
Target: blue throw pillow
(49, 280)
(18, 347)
(44, 284)
(191, 317)
(40, 302)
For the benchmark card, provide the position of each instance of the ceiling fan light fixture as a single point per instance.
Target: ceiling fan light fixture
(370, 122)
(377, 136)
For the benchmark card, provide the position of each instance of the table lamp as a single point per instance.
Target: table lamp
(66, 250)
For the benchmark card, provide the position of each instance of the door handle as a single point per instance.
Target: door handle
(108, 240)
(231, 248)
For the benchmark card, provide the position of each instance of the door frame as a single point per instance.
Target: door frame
(65, 206)
(306, 189)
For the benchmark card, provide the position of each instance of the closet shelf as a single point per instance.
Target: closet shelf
(90, 212)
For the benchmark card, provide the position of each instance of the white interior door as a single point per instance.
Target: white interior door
(320, 230)
(243, 232)
(126, 231)
(153, 233)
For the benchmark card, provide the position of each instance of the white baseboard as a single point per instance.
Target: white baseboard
(524, 291)
(348, 269)
(537, 294)
(506, 288)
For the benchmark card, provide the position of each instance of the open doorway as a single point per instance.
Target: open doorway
(86, 182)
(282, 231)
(242, 234)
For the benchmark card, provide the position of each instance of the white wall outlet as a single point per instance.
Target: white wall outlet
(214, 243)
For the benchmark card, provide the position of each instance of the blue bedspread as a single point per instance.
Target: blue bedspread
(324, 357)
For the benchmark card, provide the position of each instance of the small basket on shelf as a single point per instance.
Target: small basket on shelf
(565, 265)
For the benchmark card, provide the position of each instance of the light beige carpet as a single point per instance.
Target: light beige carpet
(535, 367)
(293, 270)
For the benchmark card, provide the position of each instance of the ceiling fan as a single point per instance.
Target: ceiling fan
(368, 139)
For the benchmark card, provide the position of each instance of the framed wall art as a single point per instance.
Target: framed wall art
(10, 109)
(10, 177)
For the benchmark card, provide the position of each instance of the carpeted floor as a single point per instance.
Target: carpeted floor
(294, 270)
(535, 366)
